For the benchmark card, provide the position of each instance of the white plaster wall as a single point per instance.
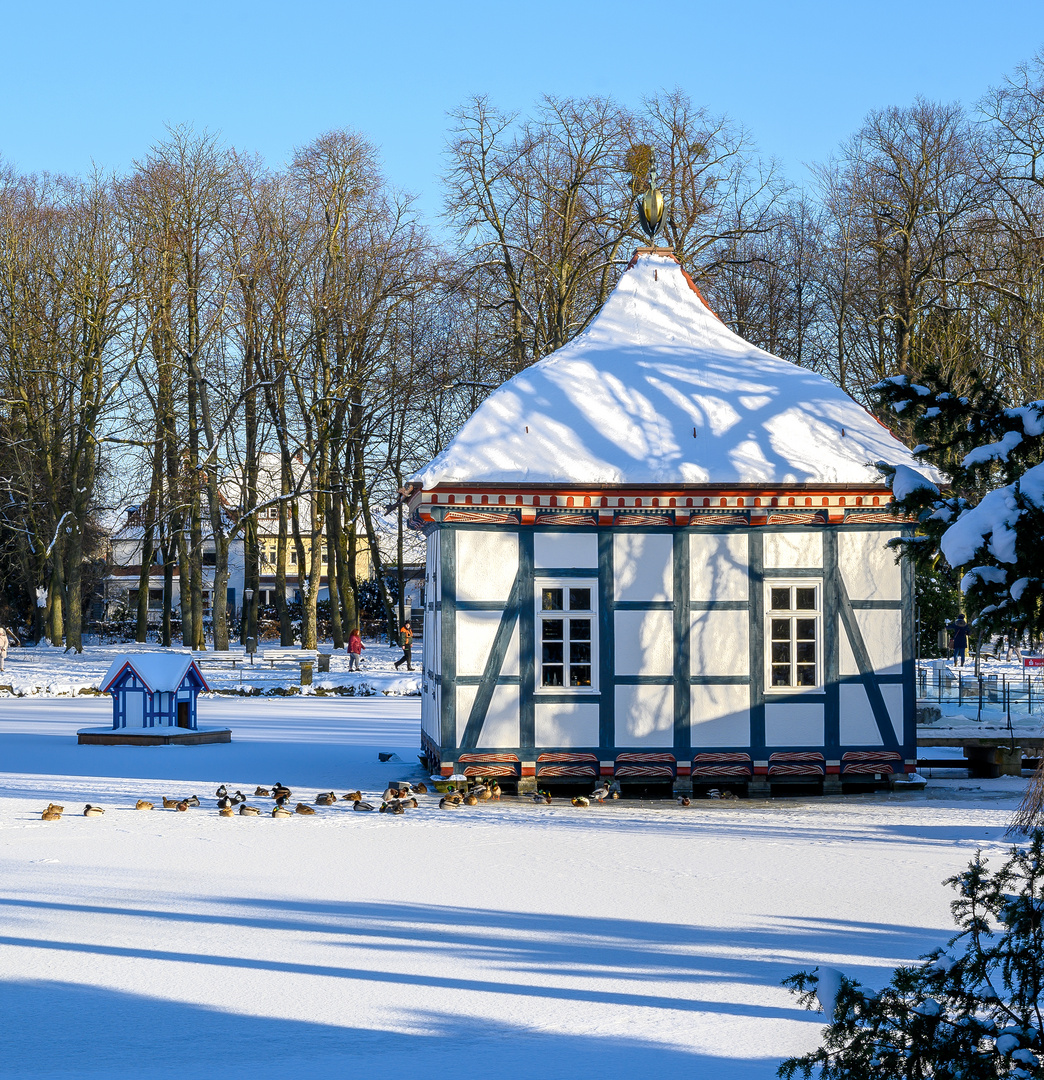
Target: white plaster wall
(868, 566)
(719, 643)
(787, 549)
(858, 727)
(645, 716)
(644, 642)
(572, 724)
(501, 728)
(883, 635)
(476, 631)
(718, 566)
(577, 548)
(793, 724)
(643, 566)
(486, 564)
(135, 708)
(720, 716)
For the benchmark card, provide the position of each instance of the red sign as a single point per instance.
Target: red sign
(1033, 661)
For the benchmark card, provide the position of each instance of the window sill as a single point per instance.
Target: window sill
(782, 691)
(579, 691)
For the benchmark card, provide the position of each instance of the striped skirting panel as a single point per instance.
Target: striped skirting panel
(489, 765)
(646, 766)
(796, 763)
(870, 762)
(571, 766)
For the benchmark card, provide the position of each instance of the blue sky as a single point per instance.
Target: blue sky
(83, 82)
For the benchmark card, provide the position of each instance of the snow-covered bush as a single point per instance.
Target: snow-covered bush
(988, 519)
(970, 1011)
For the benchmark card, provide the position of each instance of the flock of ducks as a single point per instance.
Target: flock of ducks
(396, 800)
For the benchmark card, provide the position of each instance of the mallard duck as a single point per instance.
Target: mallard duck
(302, 809)
(683, 800)
(471, 799)
(601, 793)
(448, 803)
(713, 793)
(143, 804)
(484, 792)
(495, 790)
(360, 805)
(421, 789)
(262, 792)
(225, 803)
(239, 797)
(410, 803)
(282, 800)
(55, 806)
(183, 805)
(729, 795)
(92, 811)
(169, 804)
(192, 800)
(390, 793)
(248, 811)
(326, 798)
(393, 807)
(352, 796)
(281, 789)
(281, 811)
(50, 814)
(226, 811)
(221, 792)
(581, 800)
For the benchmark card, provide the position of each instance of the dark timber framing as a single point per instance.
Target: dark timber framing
(838, 616)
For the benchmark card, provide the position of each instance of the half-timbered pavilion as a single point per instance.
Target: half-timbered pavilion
(661, 554)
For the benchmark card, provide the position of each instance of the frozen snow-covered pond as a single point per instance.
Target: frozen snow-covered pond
(549, 939)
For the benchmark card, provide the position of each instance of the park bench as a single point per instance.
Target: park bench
(221, 656)
(297, 656)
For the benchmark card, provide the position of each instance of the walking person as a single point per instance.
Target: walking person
(959, 632)
(355, 648)
(406, 641)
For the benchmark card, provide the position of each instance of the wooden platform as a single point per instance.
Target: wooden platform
(152, 737)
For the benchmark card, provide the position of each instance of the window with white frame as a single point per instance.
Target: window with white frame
(566, 632)
(793, 638)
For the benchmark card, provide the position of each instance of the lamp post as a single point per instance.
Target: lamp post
(250, 619)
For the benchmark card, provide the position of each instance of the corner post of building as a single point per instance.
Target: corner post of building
(682, 630)
(526, 663)
(606, 648)
(759, 785)
(831, 664)
(448, 570)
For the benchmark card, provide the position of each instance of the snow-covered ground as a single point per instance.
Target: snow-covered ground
(46, 671)
(612, 941)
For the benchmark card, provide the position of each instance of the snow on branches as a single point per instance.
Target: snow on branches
(969, 1010)
(987, 520)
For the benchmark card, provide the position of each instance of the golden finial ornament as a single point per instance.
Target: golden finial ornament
(650, 207)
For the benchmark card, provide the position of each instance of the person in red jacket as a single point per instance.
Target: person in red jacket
(355, 648)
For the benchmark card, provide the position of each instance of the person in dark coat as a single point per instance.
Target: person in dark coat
(959, 632)
(406, 640)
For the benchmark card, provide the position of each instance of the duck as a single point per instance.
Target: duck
(302, 809)
(729, 795)
(471, 799)
(281, 789)
(282, 800)
(360, 805)
(143, 804)
(262, 792)
(183, 805)
(410, 803)
(192, 800)
(326, 798)
(393, 807)
(421, 789)
(713, 793)
(352, 796)
(496, 791)
(449, 803)
(683, 800)
(390, 793)
(601, 793)
(581, 800)
(51, 814)
(281, 811)
(225, 803)
(239, 797)
(484, 792)
(226, 811)
(454, 797)
(221, 792)
(169, 804)
(55, 806)
(248, 811)
(92, 811)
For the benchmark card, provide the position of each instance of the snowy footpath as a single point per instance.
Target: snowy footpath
(618, 940)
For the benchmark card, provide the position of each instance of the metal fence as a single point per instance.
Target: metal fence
(1009, 692)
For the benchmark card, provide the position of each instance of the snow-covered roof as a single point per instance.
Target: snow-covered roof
(658, 390)
(161, 672)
